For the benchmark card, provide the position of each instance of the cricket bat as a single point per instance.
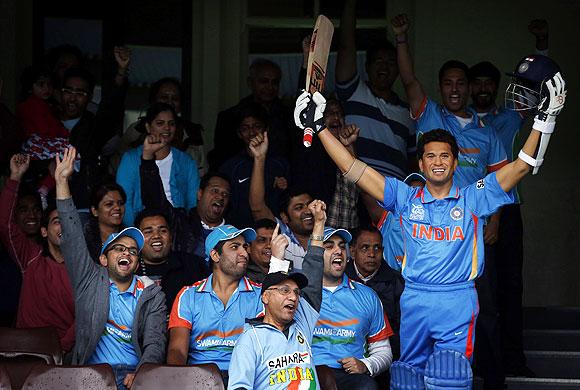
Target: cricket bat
(317, 62)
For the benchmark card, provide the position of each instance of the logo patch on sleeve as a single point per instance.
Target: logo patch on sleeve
(480, 184)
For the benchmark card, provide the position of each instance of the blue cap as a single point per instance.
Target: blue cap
(328, 232)
(225, 233)
(415, 177)
(132, 232)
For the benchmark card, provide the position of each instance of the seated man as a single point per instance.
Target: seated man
(352, 322)
(274, 351)
(46, 297)
(208, 316)
(261, 250)
(121, 319)
(169, 269)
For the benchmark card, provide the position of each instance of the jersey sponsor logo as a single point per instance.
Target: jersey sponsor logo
(456, 213)
(417, 212)
(118, 332)
(480, 184)
(243, 180)
(283, 361)
(334, 332)
(425, 232)
(298, 378)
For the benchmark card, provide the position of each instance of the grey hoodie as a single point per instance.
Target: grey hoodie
(90, 284)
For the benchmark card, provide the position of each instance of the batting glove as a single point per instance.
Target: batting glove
(309, 111)
(553, 97)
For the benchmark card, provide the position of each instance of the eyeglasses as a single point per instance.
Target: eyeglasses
(120, 248)
(285, 290)
(77, 92)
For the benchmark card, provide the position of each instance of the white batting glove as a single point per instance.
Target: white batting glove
(309, 111)
(553, 97)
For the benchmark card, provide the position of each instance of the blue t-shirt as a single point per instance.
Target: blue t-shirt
(116, 345)
(214, 328)
(443, 238)
(350, 318)
(480, 150)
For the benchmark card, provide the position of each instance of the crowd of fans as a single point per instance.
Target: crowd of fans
(137, 248)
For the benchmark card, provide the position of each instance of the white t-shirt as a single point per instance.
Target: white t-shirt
(165, 174)
(464, 121)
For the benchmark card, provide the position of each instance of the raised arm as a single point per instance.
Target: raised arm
(257, 199)
(346, 57)
(539, 28)
(413, 88)
(313, 263)
(552, 101)
(152, 192)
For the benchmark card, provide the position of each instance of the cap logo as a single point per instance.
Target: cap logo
(523, 67)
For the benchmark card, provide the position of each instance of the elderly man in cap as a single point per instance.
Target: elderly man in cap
(120, 317)
(274, 351)
(208, 316)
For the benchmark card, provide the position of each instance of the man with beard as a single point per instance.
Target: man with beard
(121, 318)
(352, 322)
(208, 316)
(46, 297)
(190, 227)
(171, 270)
(295, 220)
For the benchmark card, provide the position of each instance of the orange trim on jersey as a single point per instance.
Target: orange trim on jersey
(474, 248)
(348, 322)
(469, 346)
(383, 334)
(404, 259)
(122, 327)
(421, 109)
(382, 220)
(175, 321)
(470, 150)
(497, 166)
(220, 334)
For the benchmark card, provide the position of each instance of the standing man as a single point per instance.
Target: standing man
(352, 322)
(121, 319)
(208, 317)
(274, 351)
(443, 237)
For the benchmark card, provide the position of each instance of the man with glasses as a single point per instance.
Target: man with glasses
(121, 318)
(274, 351)
(253, 123)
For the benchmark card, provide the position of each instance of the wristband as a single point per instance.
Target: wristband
(355, 171)
(316, 238)
(400, 39)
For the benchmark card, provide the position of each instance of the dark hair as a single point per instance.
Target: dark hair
(55, 53)
(453, 64)
(155, 109)
(255, 111)
(376, 47)
(437, 135)
(26, 191)
(99, 193)
(156, 86)
(260, 63)
(151, 212)
(31, 75)
(264, 223)
(334, 100)
(203, 183)
(219, 247)
(363, 228)
(81, 74)
(484, 69)
(46, 213)
(287, 195)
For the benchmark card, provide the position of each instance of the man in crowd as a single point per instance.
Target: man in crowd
(261, 250)
(352, 322)
(121, 318)
(274, 352)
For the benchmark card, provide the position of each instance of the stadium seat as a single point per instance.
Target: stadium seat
(157, 376)
(93, 377)
(39, 342)
(325, 378)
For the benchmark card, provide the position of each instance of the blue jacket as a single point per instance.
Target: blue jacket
(184, 181)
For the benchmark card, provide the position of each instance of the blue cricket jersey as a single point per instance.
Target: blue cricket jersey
(214, 328)
(393, 251)
(443, 238)
(480, 150)
(350, 318)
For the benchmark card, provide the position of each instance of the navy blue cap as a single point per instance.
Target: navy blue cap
(132, 232)
(225, 233)
(278, 277)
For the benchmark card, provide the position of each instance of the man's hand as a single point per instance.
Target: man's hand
(309, 111)
(280, 183)
(348, 134)
(65, 167)
(122, 58)
(279, 243)
(353, 366)
(151, 145)
(539, 27)
(318, 210)
(490, 232)
(259, 146)
(400, 24)
(128, 381)
(19, 164)
(553, 97)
